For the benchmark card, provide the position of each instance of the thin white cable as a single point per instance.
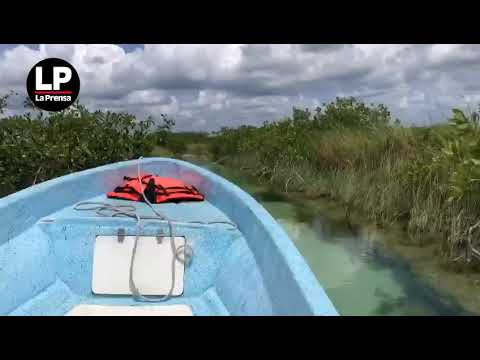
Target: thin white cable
(133, 288)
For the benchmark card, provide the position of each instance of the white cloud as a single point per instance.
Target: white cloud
(15, 64)
(209, 86)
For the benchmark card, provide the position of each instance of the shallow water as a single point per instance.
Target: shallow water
(363, 271)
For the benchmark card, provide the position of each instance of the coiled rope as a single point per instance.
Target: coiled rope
(182, 253)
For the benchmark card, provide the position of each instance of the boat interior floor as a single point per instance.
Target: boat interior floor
(50, 264)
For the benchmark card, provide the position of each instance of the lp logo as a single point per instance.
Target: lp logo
(53, 84)
(61, 75)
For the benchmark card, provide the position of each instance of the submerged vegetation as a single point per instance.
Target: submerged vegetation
(425, 178)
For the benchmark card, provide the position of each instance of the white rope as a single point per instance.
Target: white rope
(183, 253)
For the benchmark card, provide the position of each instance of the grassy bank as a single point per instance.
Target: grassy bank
(426, 179)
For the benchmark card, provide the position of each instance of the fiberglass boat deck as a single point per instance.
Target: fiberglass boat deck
(47, 248)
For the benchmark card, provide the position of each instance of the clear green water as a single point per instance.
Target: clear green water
(358, 269)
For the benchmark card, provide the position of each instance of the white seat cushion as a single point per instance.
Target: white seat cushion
(106, 310)
(152, 269)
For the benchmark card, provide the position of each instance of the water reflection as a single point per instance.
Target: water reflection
(360, 274)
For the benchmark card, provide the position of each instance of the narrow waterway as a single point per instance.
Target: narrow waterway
(364, 271)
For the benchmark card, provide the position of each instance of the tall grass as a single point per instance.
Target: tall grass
(426, 179)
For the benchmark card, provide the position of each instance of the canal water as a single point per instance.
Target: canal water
(364, 271)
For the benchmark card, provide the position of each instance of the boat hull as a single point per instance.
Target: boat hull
(46, 248)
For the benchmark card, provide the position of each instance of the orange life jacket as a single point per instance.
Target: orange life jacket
(156, 189)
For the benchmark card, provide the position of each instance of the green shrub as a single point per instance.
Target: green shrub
(350, 113)
(176, 144)
(163, 131)
(428, 178)
(37, 148)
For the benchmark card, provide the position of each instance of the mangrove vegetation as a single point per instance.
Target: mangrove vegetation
(425, 178)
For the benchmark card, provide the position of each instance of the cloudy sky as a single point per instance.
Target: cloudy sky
(204, 87)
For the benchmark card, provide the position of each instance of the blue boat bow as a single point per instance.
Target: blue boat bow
(46, 247)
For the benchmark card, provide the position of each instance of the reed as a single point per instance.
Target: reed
(424, 178)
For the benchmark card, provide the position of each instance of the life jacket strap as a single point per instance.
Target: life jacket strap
(177, 189)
